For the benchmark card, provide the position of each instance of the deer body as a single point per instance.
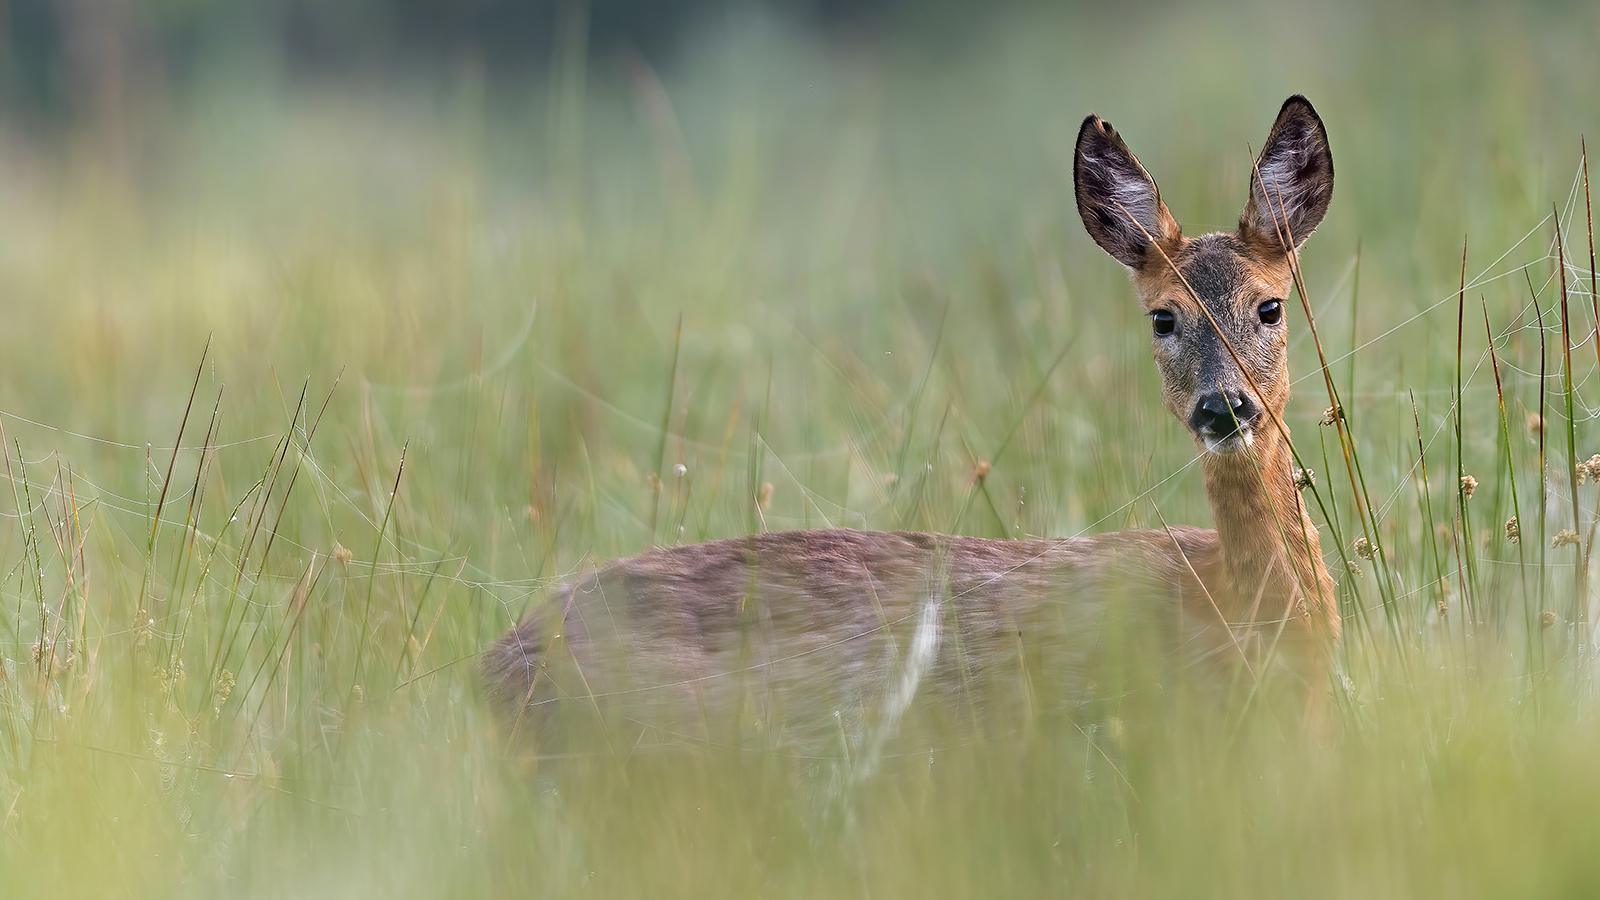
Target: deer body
(804, 635)
(813, 625)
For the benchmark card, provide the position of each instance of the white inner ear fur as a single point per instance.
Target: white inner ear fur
(1131, 189)
(1281, 198)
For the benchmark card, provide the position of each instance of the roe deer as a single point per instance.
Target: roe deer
(814, 635)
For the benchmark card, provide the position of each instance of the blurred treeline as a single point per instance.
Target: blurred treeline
(69, 59)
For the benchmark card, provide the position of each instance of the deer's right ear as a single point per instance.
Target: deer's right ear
(1117, 199)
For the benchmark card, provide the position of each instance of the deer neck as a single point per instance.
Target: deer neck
(1271, 554)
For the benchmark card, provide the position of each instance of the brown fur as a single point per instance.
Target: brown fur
(798, 628)
(806, 635)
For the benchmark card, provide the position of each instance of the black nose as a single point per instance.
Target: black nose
(1220, 414)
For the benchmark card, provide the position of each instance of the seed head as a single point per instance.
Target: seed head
(1116, 730)
(1513, 531)
(342, 553)
(1331, 415)
(222, 691)
(764, 499)
(142, 626)
(1364, 548)
(1535, 424)
(171, 679)
(1566, 537)
(1548, 618)
(1469, 486)
(1589, 470)
(1304, 478)
(980, 471)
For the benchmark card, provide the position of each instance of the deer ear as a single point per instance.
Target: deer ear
(1292, 182)
(1117, 199)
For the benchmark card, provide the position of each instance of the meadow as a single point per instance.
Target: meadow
(311, 389)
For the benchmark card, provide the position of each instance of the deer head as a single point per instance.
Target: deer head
(1216, 303)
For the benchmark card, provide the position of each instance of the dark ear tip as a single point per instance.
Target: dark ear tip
(1092, 124)
(1299, 105)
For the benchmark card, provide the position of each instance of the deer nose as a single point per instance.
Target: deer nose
(1220, 414)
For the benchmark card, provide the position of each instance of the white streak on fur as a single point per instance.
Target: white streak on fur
(924, 648)
(924, 644)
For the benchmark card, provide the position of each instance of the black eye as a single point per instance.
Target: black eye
(1271, 312)
(1164, 322)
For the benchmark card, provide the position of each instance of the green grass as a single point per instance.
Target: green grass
(852, 272)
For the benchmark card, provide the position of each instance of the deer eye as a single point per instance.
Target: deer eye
(1163, 322)
(1271, 312)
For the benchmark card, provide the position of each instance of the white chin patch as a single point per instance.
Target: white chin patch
(1233, 443)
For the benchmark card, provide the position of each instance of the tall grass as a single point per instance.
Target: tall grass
(310, 393)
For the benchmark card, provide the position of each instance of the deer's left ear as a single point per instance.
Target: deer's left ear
(1292, 182)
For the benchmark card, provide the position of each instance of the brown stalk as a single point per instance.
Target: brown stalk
(1572, 450)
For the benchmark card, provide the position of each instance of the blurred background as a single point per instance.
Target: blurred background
(584, 278)
(424, 194)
